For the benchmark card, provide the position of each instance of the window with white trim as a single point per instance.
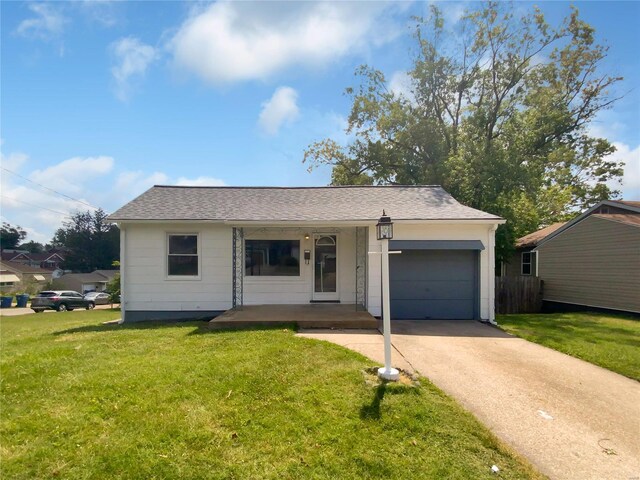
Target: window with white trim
(527, 263)
(182, 255)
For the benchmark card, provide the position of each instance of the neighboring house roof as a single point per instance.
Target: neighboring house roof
(22, 268)
(97, 276)
(8, 256)
(628, 203)
(43, 257)
(532, 239)
(630, 218)
(297, 204)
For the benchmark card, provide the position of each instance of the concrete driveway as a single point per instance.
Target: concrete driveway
(571, 419)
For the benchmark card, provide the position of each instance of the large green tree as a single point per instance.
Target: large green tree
(495, 110)
(90, 242)
(11, 236)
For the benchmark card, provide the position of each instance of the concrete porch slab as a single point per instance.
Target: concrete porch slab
(304, 316)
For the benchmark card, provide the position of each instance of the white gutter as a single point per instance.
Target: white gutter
(311, 223)
(491, 276)
(123, 263)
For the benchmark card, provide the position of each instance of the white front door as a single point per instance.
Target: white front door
(325, 267)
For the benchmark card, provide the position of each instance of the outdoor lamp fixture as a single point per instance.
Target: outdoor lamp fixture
(306, 236)
(384, 227)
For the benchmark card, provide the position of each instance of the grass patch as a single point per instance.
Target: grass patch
(610, 341)
(85, 400)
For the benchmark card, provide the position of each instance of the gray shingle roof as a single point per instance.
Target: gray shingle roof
(297, 204)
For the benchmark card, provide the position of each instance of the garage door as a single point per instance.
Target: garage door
(433, 284)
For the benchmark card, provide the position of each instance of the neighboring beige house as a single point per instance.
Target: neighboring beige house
(195, 252)
(594, 260)
(85, 282)
(523, 261)
(14, 275)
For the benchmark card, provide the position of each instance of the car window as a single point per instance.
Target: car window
(47, 294)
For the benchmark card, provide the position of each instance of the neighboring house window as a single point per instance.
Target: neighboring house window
(527, 263)
(183, 255)
(272, 258)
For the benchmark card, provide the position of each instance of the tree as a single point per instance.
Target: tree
(11, 236)
(497, 113)
(32, 247)
(91, 242)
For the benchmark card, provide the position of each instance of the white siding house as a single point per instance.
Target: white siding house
(195, 252)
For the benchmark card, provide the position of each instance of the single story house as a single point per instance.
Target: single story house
(50, 260)
(85, 282)
(195, 252)
(523, 261)
(15, 275)
(594, 260)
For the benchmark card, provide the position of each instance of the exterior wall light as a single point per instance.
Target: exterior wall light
(384, 227)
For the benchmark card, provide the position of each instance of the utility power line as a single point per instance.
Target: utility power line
(65, 214)
(50, 189)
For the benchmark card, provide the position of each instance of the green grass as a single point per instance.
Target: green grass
(83, 400)
(610, 341)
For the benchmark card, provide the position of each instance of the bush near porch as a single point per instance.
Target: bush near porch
(81, 399)
(610, 341)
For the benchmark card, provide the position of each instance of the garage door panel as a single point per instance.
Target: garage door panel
(437, 309)
(433, 284)
(431, 290)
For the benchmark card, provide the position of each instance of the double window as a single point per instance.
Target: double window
(182, 255)
(272, 258)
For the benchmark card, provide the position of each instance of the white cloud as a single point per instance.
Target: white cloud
(401, 86)
(39, 210)
(71, 174)
(200, 182)
(47, 23)
(281, 108)
(132, 60)
(228, 42)
(631, 178)
(130, 184)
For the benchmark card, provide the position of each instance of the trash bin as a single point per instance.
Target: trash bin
(5, 302)
(22, 300)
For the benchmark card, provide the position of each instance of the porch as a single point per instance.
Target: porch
(304, 316)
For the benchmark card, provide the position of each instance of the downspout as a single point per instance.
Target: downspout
(491, 280)
(123, 263)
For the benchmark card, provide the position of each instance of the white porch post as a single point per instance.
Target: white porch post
(387, 372)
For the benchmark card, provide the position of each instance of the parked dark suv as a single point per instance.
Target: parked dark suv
(60, 300)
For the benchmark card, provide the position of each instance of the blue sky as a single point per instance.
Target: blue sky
(101, 100)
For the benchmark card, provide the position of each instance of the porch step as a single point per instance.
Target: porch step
(303, 324)
(324, 301)
(304, 316)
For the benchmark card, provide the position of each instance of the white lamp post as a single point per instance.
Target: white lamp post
(384, 230)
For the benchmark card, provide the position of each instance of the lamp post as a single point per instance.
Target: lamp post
(384, 230)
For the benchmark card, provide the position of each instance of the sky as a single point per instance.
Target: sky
(100, 100)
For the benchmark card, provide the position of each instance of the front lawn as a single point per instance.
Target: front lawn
(610, 341)
(83, 400)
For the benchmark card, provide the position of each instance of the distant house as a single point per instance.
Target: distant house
(594, 259)
(12, 274)
(523, 262)
(85, 282)
(50, 260)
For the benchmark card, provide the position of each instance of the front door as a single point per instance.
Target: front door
(325, 267)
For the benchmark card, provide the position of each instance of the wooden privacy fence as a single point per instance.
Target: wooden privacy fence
(518, 294)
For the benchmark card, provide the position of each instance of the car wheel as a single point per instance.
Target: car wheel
(91, 306)
(62, 307)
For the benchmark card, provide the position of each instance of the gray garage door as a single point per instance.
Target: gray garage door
(433, 284)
